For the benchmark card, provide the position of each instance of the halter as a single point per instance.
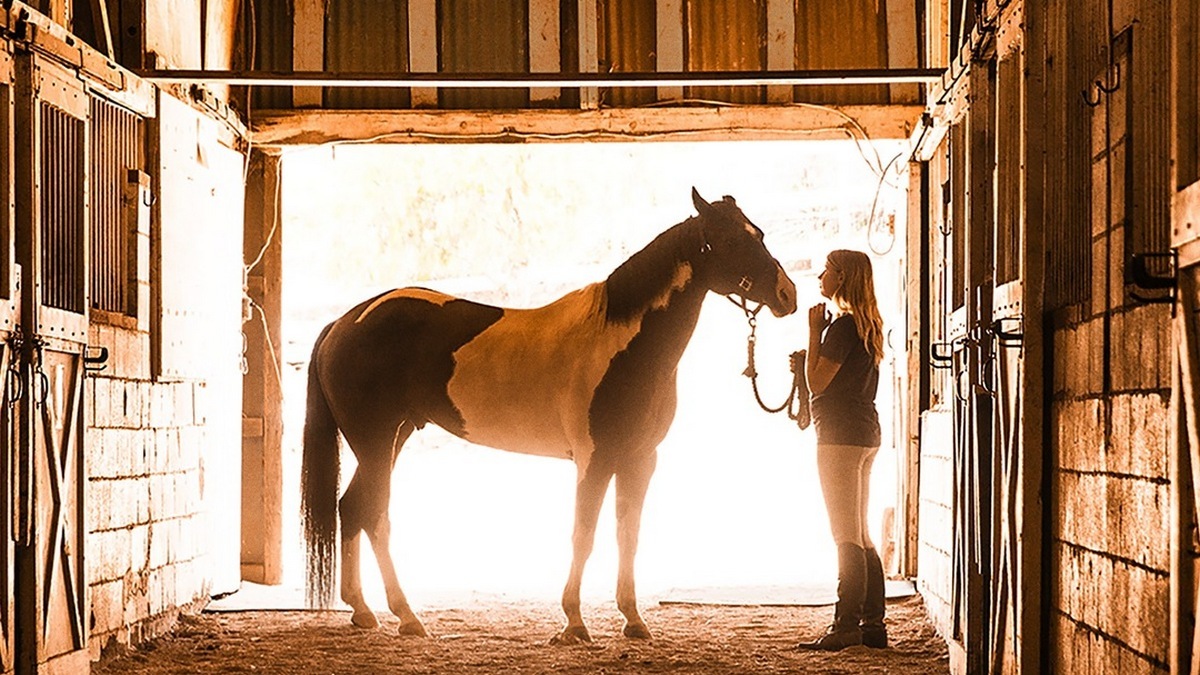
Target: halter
(796, 402)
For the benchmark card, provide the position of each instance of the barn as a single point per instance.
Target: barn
(1046, 417)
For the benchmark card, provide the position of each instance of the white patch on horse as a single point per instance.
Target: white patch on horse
(526, 383)
(420, 293)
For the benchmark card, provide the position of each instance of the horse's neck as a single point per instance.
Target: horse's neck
(660, 277)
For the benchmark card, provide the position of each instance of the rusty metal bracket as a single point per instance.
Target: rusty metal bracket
(1144, 279)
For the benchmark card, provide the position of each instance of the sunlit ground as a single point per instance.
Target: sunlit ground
(735, 500)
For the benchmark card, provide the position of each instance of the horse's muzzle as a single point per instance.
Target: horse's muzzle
(785, 295)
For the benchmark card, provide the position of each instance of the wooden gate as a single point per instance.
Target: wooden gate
(9, 406)
(51, 112)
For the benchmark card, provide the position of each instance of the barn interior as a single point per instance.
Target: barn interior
(1034, 166)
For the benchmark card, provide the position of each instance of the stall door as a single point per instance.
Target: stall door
(1011, 512)
(971, 147)
(51, 111)
(10, 382)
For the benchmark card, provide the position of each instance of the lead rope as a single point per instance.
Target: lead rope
(796, 403)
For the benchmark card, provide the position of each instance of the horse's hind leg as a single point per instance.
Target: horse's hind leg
(364, 508)
(365, 500)
(380, 534)
(353, 507)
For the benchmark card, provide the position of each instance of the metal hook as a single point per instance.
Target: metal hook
(1100, 86)
(1114, 70)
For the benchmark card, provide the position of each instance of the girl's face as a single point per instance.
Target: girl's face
(831, 279)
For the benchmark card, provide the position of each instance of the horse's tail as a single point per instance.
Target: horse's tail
(319, 489)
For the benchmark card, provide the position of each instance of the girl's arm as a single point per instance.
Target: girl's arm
(818, 370)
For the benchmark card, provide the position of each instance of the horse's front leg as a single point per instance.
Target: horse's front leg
(632, 482)
(589, 495)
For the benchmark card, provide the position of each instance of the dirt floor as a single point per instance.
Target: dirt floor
(512, 637)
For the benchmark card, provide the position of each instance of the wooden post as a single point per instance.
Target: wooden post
(1033, 567)
(902, 46)
(781, 45)
(262, 396)
(669, 44)
(308, 49)
(544, 51)
(422, 48)
(589, 46)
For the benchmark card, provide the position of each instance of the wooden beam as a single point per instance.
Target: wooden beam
(1189, 370)
(284, 128)
(1183, 510)
(1033, 573)
(308, 49)
(422, 48)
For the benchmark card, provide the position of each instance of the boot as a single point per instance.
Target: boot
(847, 613)
(874, 632)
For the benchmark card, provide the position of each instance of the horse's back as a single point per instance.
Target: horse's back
(389, 358)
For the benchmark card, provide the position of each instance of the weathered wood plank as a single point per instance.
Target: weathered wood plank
(282, 128)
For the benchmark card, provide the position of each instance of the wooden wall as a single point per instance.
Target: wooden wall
(1095, 157)
(1108, 544)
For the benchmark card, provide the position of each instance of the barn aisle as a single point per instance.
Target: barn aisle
(497, 634)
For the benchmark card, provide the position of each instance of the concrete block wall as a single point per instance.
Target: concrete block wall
(1109, 538)
(144, 506)
(936, 518)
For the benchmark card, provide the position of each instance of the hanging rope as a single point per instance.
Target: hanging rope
(796, 403)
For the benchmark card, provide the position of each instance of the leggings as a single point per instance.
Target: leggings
(845, 472)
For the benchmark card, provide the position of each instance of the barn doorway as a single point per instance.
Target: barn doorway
(735, 501)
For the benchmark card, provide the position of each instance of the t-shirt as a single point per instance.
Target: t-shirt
(845, 414)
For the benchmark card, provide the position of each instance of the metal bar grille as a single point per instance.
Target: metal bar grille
(1068, 185)
(115, 144)
(61, 200)
(1008, 168)
(958, 213)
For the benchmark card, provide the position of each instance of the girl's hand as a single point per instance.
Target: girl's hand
(818, 318)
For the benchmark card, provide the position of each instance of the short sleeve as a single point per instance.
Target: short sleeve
(840, 338)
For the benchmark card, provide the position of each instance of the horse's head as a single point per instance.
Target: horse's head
(734, 260)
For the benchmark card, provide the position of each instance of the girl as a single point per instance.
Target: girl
(842, 369)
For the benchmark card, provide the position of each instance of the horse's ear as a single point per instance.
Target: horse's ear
(702, 206)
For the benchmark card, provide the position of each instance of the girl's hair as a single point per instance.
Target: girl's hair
(856, 296)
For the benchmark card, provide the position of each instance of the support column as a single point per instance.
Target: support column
(262, 395)
(544, 49)
(423, 48)
(308, 49)
(781, 46)
(669, 45)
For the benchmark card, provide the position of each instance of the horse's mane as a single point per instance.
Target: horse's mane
(642, 278)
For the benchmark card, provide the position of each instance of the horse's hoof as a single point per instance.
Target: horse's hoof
(572, 635)
(638, 631)
(364, 619)
(413, 628)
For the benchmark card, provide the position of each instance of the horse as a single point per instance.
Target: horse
(590, 377)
